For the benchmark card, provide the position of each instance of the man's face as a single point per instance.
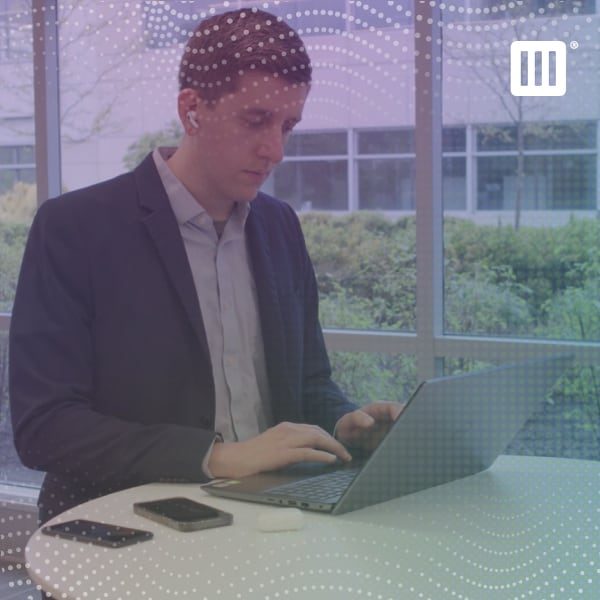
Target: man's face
(241, 139)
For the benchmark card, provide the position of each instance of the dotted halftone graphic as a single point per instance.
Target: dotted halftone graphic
(527, 533)
(527, 529)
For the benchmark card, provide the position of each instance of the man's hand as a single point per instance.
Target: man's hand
(279, 446)
(366, 427)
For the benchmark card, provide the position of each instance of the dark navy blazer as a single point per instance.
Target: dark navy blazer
(110, 375)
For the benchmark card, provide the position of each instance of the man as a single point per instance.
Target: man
(165, 325)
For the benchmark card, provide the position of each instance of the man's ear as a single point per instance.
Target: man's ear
(187, 104)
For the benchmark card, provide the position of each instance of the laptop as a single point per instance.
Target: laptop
(451, 427)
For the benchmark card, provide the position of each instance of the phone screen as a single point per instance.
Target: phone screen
(181, 509)
(102, 534)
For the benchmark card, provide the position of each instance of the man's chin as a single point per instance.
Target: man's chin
(248, 197)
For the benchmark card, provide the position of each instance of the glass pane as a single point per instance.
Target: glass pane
(496, 182)
(315, 144)
(386, 184)
(370, 377)
(369, 280)
(491, 138)
(549, 182)
(18, 203)
(314, 185)
(25, 154)
(454, 139)
(524, 261)
(400, 141)
(561, 182)
(15, 32)
(576, 135)
(556, 136)
(565, 425)
(8, 177)
(26, 175)
(7, 155)
(11, 470)
(454, 182)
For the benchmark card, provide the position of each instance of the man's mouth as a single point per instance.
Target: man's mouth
(257, 175)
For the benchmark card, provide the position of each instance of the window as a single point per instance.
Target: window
(18, 200)
(387, 181)
(17, 163)
(559, 167)
(314, 175)
(15, 31)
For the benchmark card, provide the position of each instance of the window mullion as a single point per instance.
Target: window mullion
(428, 129)
(46, 94)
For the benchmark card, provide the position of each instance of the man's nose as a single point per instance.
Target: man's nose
(271, 145)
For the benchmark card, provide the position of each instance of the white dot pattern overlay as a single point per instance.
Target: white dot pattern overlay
(526, 528)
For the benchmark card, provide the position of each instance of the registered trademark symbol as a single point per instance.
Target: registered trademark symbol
(574, 45)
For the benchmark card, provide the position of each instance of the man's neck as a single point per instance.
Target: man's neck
(218, 210)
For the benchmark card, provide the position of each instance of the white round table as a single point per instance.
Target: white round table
(526, 528)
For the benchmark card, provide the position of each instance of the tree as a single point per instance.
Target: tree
(488, 63)
(88, 96)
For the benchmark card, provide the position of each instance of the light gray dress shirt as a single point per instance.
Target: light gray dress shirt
(227, 296)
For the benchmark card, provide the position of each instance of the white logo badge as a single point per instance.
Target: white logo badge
(546, 68)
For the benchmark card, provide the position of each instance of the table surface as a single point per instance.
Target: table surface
(525, 528)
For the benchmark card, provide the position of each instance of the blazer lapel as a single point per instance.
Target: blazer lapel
(270, 314)
(164, 232)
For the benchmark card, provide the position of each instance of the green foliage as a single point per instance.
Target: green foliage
(364, 377)
(169, 136)
(537, 263)
(367, 377)
(12, 244)
(371, 258)
(18, 205)
(477, 304)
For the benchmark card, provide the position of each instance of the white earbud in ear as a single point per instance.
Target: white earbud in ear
(191, 116)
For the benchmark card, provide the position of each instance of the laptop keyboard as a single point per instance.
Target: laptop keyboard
(328, 487)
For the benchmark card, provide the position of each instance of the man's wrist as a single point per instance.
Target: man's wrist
(223, 461)
(205, 468)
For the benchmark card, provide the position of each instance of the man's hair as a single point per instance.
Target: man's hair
(226, 46)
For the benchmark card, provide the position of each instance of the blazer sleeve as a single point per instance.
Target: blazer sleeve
(56, 427)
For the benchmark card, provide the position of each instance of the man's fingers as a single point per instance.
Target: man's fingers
(295, 455)
(328, 443)
(309, 437)
(359, 419)
(384, 411)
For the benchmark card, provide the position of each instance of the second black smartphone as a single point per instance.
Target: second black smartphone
(100, 534)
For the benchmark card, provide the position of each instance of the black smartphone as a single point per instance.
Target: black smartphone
(101, 534)
(183, 514)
